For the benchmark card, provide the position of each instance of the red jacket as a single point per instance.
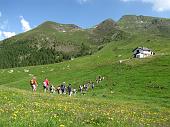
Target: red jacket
(47, 82)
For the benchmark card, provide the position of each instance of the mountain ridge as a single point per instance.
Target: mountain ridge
(141, 24)
(52, 42)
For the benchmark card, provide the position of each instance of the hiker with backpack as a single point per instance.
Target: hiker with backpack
(46, 84)
(58, 89)
(52, 89)
(33, 84)
(63, 87)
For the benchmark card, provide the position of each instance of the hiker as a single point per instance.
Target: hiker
(33, 84)
(100, 79)
(86, 87)
(63, 87)
(52, 89)
(81, 88)
(74, 91)
(92, 85)
(69, 89)
(47, 83)
(58, 89)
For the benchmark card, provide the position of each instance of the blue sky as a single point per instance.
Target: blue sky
(17, 16)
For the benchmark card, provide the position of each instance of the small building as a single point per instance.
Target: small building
(142, 52)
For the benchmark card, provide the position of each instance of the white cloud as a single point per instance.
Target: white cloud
(157, 5)
(0, 14)
(4, 34)
(8, 34)
(25, 24)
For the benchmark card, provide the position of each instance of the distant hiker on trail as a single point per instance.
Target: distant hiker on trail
(69, 89)
(86, 87)
(46, 84)
(33, 84)
(92, 85)
(58, 90)
(81, 88)
(99, 79)
(52, 89)
(74, 91)
(62, 87)
(65, 89)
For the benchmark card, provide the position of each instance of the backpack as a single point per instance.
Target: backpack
(45, 84)
(31, 82)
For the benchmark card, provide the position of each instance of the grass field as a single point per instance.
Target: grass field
(133, 93)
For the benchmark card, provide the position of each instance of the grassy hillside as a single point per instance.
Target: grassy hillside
(45, 44)
(133, 93)
(140, 24)
(52, 42)
(106, 31)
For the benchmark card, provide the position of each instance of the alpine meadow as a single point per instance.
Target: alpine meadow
(133, 92)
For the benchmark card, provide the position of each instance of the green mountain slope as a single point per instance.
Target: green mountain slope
(52, 42)
(107, 31)
(141, 24)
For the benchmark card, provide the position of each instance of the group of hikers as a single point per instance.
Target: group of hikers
(62, 89)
